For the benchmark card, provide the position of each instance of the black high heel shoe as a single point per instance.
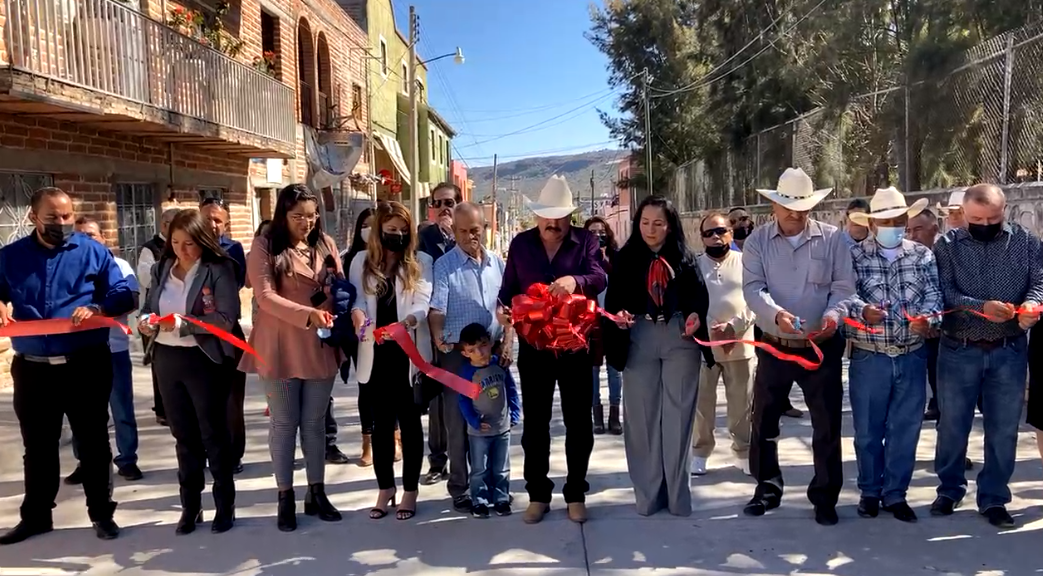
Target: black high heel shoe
(407, 513)
(287, 517)
(187, 523)
(376, 513)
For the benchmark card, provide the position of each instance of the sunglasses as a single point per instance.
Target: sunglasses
(443, 203)
(714, 232)
(213, 201)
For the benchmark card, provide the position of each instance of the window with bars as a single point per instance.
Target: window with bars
(135, 218)
(16, 190)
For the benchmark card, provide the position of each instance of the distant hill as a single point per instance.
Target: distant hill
(532, 173)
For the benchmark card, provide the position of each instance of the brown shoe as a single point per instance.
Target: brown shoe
(535, 512)
(577, 512)
(367, 451)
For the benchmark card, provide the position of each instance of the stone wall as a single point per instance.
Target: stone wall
(1024, 206)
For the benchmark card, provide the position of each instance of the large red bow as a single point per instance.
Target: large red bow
(547, 322)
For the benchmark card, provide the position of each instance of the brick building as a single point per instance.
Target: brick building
(133, 108)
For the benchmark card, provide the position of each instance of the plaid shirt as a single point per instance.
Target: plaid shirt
(909, 284)
(465, 292)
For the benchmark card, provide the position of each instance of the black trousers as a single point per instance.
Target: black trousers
(394, 401)
(540, 370)
(447, 429)
(824, 394)
(235, 416)
(196, 393)
(43, 394)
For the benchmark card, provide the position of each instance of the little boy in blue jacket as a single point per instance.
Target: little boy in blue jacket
(489, 418)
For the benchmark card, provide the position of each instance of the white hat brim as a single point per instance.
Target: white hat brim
(862, 218)
(796, 204)
(551, 212)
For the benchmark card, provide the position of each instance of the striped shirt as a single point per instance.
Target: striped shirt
(1008, 269)
(907, 284)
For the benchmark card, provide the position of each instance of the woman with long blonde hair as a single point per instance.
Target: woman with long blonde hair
(393, 283)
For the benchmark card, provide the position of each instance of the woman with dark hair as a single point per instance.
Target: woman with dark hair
(363, 228)
(607, 238)
(291, 269)
(393, 283)
(656, 287)
(195, 278)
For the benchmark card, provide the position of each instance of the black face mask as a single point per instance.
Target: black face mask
(602, 240)
(394, 242)
(717, 251)
(742, 233)
(56, 234)
(984, 232)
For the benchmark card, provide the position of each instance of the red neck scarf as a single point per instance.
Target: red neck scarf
(659, 275)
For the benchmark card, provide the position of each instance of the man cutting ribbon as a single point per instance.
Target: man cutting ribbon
(990, 270)
(797, 271)
(58, 273)
(897, 279)
(568, 258)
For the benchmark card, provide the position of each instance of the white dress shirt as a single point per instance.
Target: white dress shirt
(174, 300)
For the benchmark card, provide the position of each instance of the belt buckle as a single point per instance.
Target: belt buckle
(892, 351)
(56, 360)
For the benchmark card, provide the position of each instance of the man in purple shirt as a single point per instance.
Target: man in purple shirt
(568, 259)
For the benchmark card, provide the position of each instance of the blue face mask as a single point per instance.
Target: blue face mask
(889, 237)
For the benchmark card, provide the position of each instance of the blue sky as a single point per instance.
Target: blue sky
(528, 69)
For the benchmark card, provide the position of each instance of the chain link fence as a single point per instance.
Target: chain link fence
(983, 122)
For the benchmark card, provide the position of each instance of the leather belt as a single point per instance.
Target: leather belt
(985, 344)
(892, 351)
(786, 342)
(52, 360)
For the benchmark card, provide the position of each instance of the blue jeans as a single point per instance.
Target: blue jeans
(615, 386)
(887, 403)
(121, 405)
(490, 468)
(998, 375)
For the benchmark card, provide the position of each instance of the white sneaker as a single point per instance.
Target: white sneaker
(698, 466)
(743, 465)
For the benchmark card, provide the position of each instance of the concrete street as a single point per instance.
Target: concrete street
(716, 540)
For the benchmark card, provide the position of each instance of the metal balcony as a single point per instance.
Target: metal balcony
(102, 63)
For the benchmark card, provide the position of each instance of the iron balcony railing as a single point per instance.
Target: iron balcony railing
(106, 46)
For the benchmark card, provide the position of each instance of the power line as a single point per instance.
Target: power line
(578, 149)
(703, 83)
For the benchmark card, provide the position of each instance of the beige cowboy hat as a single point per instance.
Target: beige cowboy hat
(887, 203)
(955, 202)
(796, 191)
(555, 200)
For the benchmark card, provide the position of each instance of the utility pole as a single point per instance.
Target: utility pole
(495, 222)
(414, 152)
(648, 133)
(592, 193)
(371, 153)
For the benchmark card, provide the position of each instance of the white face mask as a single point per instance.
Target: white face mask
(364, 234)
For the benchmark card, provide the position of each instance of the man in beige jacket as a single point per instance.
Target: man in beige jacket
(729, 319)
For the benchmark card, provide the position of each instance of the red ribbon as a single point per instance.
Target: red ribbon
(799, 360)
(222, 334)
(55, 326)
(560, 323)
(398, 332)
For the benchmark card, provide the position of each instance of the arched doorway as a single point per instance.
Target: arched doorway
(306, 72)
(325, 70)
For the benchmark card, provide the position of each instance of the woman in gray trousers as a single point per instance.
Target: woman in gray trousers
(655, 286)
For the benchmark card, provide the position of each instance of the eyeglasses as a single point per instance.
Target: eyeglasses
(443, 203)
(714, 232)
(303, 217)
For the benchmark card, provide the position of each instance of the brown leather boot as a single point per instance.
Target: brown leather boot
(577, 512)
(535, 512)
(367, 451)
(599, 419)
(398, 445)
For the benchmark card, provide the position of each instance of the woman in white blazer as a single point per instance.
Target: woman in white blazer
(393, 283)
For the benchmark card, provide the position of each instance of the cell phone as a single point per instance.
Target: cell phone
(318, 298)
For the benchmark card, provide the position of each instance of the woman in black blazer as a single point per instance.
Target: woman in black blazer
(195, 278)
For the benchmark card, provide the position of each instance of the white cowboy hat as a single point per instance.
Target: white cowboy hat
(555, 200)
(955, 201)
(887, 203)
(796, 191)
